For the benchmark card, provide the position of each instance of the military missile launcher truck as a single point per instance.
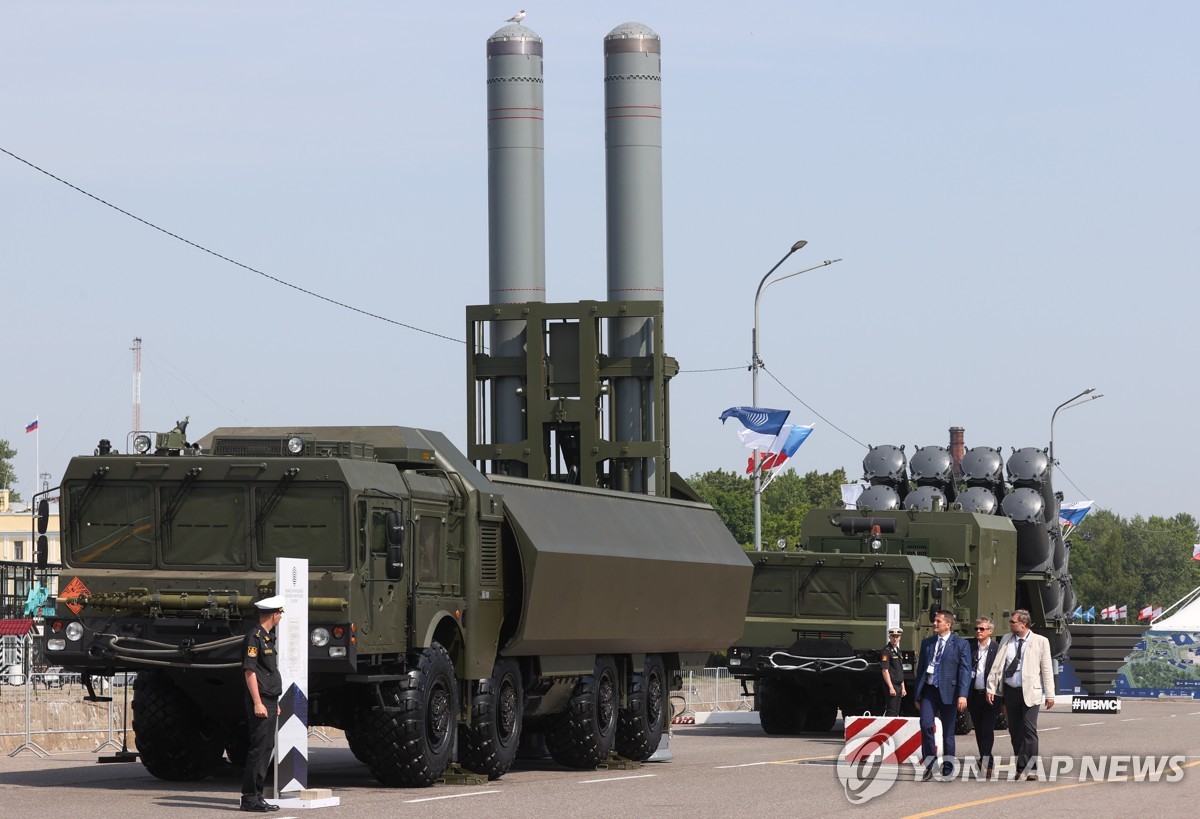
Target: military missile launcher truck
(816, 621)
(441, 599)
(445, 603)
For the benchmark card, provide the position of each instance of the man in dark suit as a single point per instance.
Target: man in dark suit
(983, 713)
(943, 676)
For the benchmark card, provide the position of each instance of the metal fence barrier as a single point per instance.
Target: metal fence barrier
(44, 711)
(711, 689)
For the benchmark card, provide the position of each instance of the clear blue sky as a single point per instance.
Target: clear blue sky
(1012, 187)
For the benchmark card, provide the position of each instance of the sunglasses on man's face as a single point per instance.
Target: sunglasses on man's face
(983, 628)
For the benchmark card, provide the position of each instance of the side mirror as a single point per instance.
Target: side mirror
(395, 563)
(43, 516)
(43, 551)
(935, 596)
(395, 548)
(395, 528)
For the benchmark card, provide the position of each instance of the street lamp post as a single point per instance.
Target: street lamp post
(755, 365)
(1068, 404)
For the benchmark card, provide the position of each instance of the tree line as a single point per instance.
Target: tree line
(1114, 560)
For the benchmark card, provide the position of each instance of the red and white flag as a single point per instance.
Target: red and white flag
(1157, 611)
(1123, 612)
(1196, 552)
(1146, 613)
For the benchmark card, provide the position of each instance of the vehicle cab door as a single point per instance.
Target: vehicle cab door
(384, 579)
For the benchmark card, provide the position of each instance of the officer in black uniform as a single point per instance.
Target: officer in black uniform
(260, 667)
(893, 673)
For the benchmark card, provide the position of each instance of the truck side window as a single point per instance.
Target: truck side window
(379, 531)
(429, 528)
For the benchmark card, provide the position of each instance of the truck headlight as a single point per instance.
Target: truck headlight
(56, 645)
(337, 651)
(295, 445)
(74, 631)
(319, 636)
(141, 444)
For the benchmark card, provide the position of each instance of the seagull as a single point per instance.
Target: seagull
(516, 18)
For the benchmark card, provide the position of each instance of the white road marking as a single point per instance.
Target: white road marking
(1086, 724)
(618, 778)
(1043, 730)
(744, 765)
(449, 796)
(1131, 719)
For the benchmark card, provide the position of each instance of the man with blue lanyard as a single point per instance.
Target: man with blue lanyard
(943, 677)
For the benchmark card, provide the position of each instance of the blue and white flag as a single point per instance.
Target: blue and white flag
(1078, 613)
(758, 419)
(1071, 515)
(1090, 614)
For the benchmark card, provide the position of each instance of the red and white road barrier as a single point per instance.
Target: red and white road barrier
(888, 739)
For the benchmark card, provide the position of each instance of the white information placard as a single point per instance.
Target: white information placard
(291, 743)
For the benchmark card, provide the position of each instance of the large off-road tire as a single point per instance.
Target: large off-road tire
(354, 738)
(410, 746)
(782, 709)
(237, 743)
(490, 743)
(583, 735)
(640, 726)
(822, 716)
(174, 739)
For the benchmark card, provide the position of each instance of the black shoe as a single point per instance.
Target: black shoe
(928, 775)
(267, 806)
(255, 807)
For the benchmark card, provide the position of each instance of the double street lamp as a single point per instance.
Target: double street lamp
(1069, 404)
(756, 364)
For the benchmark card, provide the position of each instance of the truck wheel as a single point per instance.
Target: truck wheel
(174, 740)
(781, 706)
(410, 746)
(583, 735)
(354, 738)
(237, 743)
(640, 726)
(821, 717)
(489, 744)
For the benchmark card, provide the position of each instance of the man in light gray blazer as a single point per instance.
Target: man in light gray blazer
(1024, 676)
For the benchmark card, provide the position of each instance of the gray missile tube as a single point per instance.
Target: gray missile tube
(516, 207)
(633, 158)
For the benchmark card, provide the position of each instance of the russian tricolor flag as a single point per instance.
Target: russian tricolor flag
(32, 425)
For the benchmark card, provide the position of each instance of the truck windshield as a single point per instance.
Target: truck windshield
(306, 521)
(208, 528)
(116, 527)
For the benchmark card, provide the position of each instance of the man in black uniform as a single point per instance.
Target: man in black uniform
(260, 667)
(893, 673)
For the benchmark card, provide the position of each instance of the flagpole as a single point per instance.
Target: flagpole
(756, 365)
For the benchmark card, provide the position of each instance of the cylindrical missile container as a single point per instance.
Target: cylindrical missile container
(931, 465)
(1027, 509)
(878, 499)
(516, 203)
(979, 499)
(633, 168)
(983, 466)
(926, 499)
(1029, 467)
(884, 464)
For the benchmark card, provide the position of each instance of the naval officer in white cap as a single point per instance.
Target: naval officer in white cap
(264, 685)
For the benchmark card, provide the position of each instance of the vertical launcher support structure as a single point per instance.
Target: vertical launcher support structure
(570, 387)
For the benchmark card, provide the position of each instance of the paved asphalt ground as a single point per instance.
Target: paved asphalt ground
(718, 770)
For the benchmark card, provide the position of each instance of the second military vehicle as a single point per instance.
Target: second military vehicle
(935, 532)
